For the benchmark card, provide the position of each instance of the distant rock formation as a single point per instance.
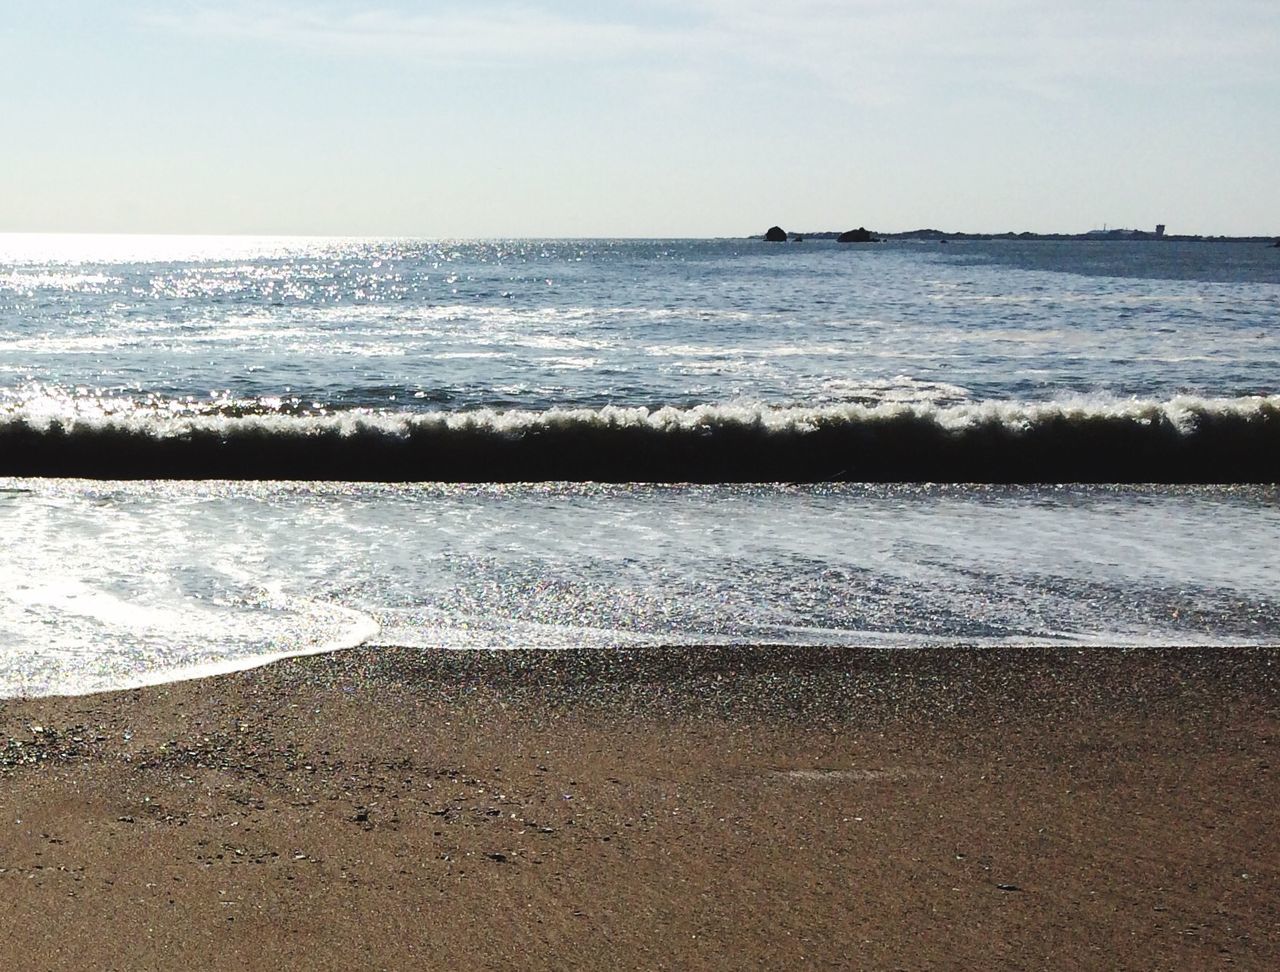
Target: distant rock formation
(776, 234)
(1276, 244)
(860, 235)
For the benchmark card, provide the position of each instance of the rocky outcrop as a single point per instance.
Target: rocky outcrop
(860, 235)
(776, 234)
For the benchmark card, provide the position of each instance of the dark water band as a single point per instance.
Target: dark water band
(1232, 444)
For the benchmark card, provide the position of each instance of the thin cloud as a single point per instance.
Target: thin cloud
(1023, 44)
(870, 51)
(506, 35)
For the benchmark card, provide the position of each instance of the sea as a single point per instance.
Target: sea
(217, 451)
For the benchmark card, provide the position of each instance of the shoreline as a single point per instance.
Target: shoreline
(682, 808)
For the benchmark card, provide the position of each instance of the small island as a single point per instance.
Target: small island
(859, 235)
(862, 235)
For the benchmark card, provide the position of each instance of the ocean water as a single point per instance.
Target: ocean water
(218, 451)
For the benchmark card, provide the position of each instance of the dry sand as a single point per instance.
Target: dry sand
(696, 808)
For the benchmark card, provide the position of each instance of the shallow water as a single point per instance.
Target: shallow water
(107, 584)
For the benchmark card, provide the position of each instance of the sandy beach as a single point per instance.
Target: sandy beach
(692, 808)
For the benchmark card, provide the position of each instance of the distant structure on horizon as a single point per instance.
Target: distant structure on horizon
(1121, 234)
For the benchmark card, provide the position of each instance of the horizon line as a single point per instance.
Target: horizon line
(182, 234)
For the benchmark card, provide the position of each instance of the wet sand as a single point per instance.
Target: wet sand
(694, 808)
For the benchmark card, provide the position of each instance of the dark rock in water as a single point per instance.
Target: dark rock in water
(1276, 244)
(776, 234)
(860, 235)
(797, 238)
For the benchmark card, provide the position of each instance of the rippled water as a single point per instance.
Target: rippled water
(407, 325)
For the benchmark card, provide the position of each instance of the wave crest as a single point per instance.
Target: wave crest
(1187, 439)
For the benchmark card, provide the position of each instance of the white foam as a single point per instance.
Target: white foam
(44, 408)
(108, 585)
(97, 593)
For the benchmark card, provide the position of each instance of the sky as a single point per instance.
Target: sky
(638, 118)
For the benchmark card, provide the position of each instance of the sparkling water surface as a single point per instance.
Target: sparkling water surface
(316, 325)
(108, 584)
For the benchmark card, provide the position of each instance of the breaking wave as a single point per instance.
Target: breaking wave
(1186, 439)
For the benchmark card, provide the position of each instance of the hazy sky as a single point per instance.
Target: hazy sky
(639, 118)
